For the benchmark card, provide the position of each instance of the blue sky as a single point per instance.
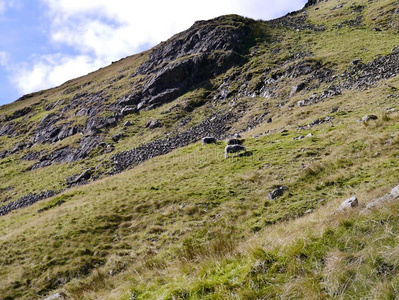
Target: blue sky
(44, 43)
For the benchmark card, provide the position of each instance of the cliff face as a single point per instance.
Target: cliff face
(295, 87)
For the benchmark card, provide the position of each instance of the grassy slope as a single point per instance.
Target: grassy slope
(191, 224)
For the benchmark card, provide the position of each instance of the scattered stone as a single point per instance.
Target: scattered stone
(117, 137)
(128, 124)
(57, 296)
(315, 98)
(128, 110)
(349, 203)
(153, 124)
(297, 88)
(277, 193)
(25, 201)
(216, 126)
(269, 120)
(310, 135)
(79, 179)
(327, 119)
(394, 194)
(334, 109)
(109, 148)
(301, 137)
(3, 154)
(369, 117)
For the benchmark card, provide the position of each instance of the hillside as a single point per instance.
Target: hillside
(107, 192)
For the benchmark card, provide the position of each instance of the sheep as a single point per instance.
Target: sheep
(208, 140)
(233, 149)
(235, 141)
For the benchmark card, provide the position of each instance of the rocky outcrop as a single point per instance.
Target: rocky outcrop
(216, 126)
(393, 195)
(365, 75)
(25, 201)
(17, 114)
(205, 50)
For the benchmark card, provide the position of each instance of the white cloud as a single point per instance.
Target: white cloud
(5, 4)
(4, 56)
(52, 70)
(101, 31)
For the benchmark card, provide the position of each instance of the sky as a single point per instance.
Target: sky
(44, 43)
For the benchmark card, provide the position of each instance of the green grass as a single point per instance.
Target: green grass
(356, 256)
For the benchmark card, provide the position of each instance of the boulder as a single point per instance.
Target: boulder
(348, 203)
(297, 88)
(80, 178)
(369, 117)
(153, 124)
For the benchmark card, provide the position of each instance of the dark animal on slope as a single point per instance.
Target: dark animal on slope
(208, 140)
(235, 142)
(233, 149)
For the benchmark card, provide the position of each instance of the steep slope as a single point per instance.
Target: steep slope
(121, 201)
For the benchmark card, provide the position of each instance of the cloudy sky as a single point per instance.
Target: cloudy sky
(44, 43)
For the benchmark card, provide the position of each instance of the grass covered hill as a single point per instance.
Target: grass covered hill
(106, 191)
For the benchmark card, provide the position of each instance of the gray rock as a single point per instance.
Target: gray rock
(3, 154)
(394, 194)
(369, 117)
(127, 124)
(128, 110)
(153, 124)
(79, 179)
(301, 137)
(57, 296)
(348, 203)
(334, 109)
(297, 88)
